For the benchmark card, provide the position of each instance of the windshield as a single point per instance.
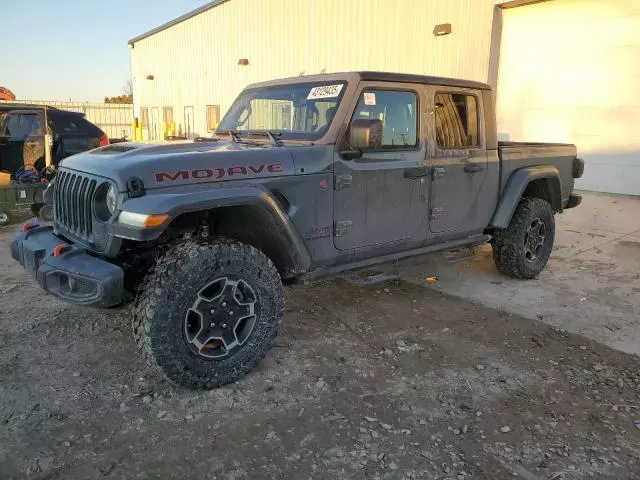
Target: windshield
(302, 111)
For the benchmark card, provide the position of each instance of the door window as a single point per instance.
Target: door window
(213, 117)
(398, 112)
(167, 113)
(456, 120)
(144, 117)
(21, 125)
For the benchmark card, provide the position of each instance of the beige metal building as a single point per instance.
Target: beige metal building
(564, 70)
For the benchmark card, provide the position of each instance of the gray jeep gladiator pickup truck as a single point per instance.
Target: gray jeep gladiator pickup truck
(305, 177)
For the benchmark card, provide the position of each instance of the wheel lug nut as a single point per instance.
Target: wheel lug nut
(224, 304)
(213, 324)
(224, 325)
(230, 312)
(213, 310)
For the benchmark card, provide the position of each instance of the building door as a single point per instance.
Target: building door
(459, 161)
(569, 72)
(380, 197)
(155, 128)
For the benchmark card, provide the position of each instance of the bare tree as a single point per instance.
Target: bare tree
(128, 88)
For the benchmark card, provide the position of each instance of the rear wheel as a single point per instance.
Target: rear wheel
(207, 313)
(523, 248)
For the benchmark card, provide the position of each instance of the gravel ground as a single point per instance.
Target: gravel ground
(391, 380)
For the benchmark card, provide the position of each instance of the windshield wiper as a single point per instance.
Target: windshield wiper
(234, 135)
(272, 136)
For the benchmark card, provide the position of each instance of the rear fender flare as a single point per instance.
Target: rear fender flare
(516, 186)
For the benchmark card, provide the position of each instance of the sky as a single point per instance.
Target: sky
(75, 49)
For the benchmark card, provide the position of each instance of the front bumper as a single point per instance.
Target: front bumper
(71, 274)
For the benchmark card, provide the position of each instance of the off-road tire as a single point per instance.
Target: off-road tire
(5, 218)
(509, 253)
(172, 287)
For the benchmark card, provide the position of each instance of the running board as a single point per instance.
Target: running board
(440, 247)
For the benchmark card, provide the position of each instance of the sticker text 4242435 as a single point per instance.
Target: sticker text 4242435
(325, 91)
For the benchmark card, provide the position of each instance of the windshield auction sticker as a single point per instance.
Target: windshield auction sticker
(369, 98)
(326, 91)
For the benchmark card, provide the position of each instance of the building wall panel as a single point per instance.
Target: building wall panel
(195, 63)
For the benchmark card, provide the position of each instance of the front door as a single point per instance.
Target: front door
(459, 160)
(380, 197)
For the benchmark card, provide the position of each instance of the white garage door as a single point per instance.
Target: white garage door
(570, 72)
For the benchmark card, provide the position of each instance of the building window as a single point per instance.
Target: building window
(213, 117)
(144, 117)
(397, 110)
(167, 114)
(457, 120)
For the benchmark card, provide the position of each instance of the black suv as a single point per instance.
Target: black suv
(22, 132)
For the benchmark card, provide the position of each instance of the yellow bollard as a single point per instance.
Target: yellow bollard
(134, 128)
(173, 129)
(140, 139)
(165, 130)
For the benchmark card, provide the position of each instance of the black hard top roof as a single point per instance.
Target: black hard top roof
(378, 77)
(23, 106)
(413, 78)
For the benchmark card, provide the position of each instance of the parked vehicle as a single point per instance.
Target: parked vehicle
(22, 134)
(310, 176)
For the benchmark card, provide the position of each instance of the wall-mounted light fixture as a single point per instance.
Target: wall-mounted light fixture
(442, 29)
(243, 61)
(150, 77)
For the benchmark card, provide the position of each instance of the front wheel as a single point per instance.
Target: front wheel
(523, 248)
(207, 313)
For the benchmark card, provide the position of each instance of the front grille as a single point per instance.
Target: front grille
(73, 197)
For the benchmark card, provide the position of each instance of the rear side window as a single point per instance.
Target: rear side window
(457, 120)
(69, 124)
(398, 112)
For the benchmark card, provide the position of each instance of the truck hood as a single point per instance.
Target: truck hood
(183, 163)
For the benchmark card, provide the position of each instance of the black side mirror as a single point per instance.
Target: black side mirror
(363, 134)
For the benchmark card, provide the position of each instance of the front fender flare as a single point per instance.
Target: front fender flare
(516, 186)
(176, 204)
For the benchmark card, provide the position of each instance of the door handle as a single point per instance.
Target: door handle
(472, 168)
(416, 172)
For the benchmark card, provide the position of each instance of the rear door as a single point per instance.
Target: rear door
(380, 197)
(22, 140)
(459, 160)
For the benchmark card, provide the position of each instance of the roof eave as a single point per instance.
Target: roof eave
(180, 19)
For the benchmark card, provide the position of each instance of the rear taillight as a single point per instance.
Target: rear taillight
(578, 167)
(103, 141)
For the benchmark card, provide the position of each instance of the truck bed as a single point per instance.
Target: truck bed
(516, 155)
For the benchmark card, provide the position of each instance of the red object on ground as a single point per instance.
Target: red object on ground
(6, 94)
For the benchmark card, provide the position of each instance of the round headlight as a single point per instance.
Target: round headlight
(111, 200)
(104, 201)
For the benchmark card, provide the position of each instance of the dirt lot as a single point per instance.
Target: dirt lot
(391, 380)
